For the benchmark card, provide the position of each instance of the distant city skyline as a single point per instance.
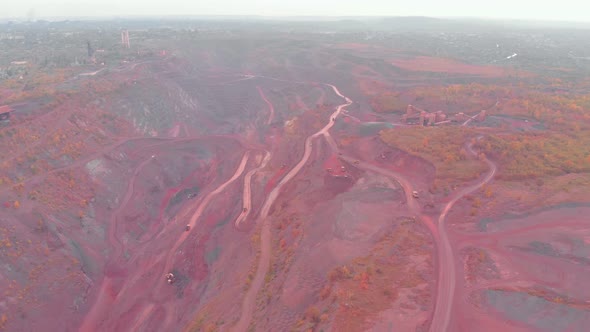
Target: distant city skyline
(564, 10)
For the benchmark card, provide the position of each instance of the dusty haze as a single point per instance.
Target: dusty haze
(568, 10)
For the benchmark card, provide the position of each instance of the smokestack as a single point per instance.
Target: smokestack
(125, 38)
(90, 49)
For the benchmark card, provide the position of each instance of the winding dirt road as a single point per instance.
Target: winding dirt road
(407, 187)
(270, 106)
(106, 297)
(446, 262)
(247, 193)
(169, 257)
(446, 272)
(249, 301)
(200, 210)
(446, 267)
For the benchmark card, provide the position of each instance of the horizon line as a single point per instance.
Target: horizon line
(281, 16)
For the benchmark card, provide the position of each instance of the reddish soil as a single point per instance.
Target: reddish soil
(273, 180)
(526, 252)
(334, 167)
(248, 181)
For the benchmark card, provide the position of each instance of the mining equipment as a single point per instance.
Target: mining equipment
(170, 278)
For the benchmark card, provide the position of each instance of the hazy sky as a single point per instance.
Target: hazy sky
(571, 10)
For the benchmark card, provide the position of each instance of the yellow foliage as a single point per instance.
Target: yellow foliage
(523, 156)
(476, 203)
(211, 327)
(443, 147)
(312, 314)
(387, 102)
(487, 191)
(3, 321)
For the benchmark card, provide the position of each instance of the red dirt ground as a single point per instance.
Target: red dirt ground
(334, 166)
(527, 252)
(98, 189)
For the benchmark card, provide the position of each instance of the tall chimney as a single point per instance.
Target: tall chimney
(125, 38)
(90, 50)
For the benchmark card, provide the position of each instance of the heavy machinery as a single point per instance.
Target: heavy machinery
(170, 278)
